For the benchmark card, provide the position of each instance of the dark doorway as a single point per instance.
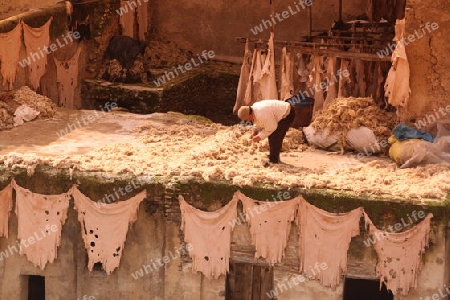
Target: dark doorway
(356, 289)
(36, 287)
(248, 282)
(98, 266)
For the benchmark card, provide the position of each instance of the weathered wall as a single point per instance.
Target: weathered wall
(157, 234)
(213, 25)
(361, 259)
(68, 277)
(58, 28)
(429, 60)
(199, 25)
(104, 24)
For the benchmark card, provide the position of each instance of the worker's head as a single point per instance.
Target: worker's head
(245, 113)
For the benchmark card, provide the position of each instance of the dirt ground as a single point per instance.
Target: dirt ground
(173, 144)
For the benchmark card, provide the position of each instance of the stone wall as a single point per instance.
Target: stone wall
(58, 29)
(214, 25)
(157, 233)
(428, 60)
(102, 27)
(197, 26)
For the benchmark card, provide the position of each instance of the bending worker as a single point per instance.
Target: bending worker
(273, 118)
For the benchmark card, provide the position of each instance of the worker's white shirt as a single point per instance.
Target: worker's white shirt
(267, 114)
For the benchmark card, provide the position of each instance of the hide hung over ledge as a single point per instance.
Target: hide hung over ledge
(36, 39)
(203, 229)
(400, 255)
(397, 89)
(9, 54)
(37, 214)
(67, 78)
(244, 80)
(323, 237)
(257, 81)
(104, 228)
(270, 226)
(5, 209)
(286, 74)
(111, 221)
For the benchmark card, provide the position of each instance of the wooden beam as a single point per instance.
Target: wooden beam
(319, 49)
(342, 54)
(357, 38)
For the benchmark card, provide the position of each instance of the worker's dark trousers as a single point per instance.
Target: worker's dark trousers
(276, 138)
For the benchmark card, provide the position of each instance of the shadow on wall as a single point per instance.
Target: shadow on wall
(207, 94)
(210, 94)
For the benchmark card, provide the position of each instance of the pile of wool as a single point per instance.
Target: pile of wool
(7, 109)
(42, 104)
(344, 114)
(164, 146)
(197, 147)
(10, 101)
(173, 125)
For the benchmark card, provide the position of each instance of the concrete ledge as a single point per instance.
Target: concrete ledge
(136, 98)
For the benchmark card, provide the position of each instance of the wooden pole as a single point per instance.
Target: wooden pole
(310, 20)
(400, 8)
(272, 12)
